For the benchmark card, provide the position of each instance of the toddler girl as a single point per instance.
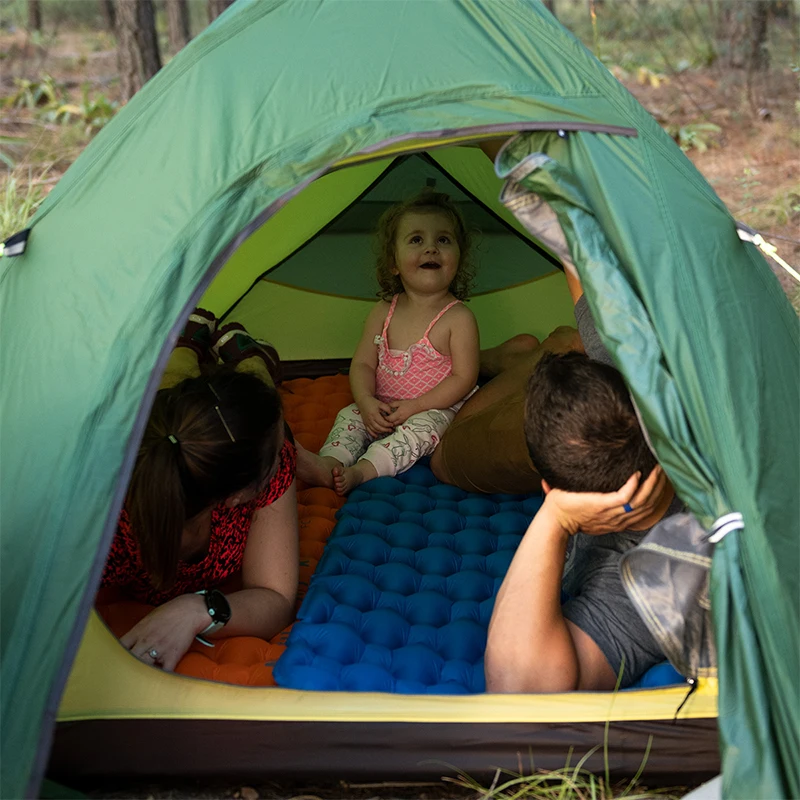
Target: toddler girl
(417, 360)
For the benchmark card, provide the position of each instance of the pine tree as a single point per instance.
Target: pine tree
(137, 44)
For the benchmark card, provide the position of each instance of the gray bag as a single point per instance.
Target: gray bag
(667, 578)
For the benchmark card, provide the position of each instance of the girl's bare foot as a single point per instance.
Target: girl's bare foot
(315, 470)
(495, 360)
(345, 479)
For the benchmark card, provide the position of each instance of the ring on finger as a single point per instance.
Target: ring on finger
(153, 653)
(627, 508)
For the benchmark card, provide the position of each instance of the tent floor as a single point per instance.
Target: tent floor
(97, 751)
(682, 752)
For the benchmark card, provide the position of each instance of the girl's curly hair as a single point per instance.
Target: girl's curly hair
(425, 202)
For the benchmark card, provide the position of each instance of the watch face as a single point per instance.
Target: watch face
(219, 608)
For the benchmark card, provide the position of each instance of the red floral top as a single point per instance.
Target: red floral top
(229, 529)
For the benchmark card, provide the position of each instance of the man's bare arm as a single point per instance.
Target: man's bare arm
(531, 647)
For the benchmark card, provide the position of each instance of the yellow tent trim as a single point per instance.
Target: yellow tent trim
(416, 145)
(267, 279)
(107, 682)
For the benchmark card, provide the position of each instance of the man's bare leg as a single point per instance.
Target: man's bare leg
(512, 363)
(505, 356)
(315, 470)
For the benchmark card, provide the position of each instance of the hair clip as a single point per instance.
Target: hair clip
(224, 424)
(172, 439)
(219, 414)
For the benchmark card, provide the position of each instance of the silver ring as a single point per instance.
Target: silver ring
(153, 654)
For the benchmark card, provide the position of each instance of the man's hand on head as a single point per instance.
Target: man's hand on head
(599, 513)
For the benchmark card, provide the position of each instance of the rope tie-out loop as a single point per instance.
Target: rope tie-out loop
(747, 234)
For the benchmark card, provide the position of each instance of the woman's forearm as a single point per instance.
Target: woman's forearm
(529, 647)
(256, 612)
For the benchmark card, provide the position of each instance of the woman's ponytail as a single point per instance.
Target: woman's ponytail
(207, 438)
(156, 500)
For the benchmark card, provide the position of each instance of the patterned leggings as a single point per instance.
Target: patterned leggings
(349, 439)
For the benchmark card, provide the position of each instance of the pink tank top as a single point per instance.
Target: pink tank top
(407, 374)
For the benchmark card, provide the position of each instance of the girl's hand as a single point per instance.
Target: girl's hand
(401, 411)
(168, 630)
(599, 513)
(375, 415)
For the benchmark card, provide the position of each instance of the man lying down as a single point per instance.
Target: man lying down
(604, 491)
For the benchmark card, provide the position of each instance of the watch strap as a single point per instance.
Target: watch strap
(214, 625)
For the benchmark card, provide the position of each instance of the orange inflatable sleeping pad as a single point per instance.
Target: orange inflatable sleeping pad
(310, 407)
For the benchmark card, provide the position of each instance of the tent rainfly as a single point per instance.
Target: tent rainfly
(217, 181)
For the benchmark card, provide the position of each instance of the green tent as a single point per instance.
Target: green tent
(248, 145)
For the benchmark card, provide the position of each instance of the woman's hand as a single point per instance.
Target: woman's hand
(599, 513)
(168, 631)
(401, 411)
(375, 415)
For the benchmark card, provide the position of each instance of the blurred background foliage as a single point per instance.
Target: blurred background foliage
(721, 76)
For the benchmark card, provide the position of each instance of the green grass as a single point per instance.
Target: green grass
(782, 209)
(21, 193)
(567, 783)
(31, 162)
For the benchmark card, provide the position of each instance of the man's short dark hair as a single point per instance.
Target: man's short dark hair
(580, 425)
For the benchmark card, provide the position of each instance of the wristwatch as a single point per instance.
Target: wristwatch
(219, 610)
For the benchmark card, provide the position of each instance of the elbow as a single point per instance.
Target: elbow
(286, 614)
(280, 613)
(503, 676)
(509, 674)
(503, 670)
(281, 620)
(510, 681)
(505, 682)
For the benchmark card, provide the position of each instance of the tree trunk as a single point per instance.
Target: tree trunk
(178, 24)
(759, 54)
(109, 14)
(34, 15)
(137, 44)
(731, 33)
(216, 7)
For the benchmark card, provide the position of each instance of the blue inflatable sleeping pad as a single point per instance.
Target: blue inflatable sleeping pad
(402, 597)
